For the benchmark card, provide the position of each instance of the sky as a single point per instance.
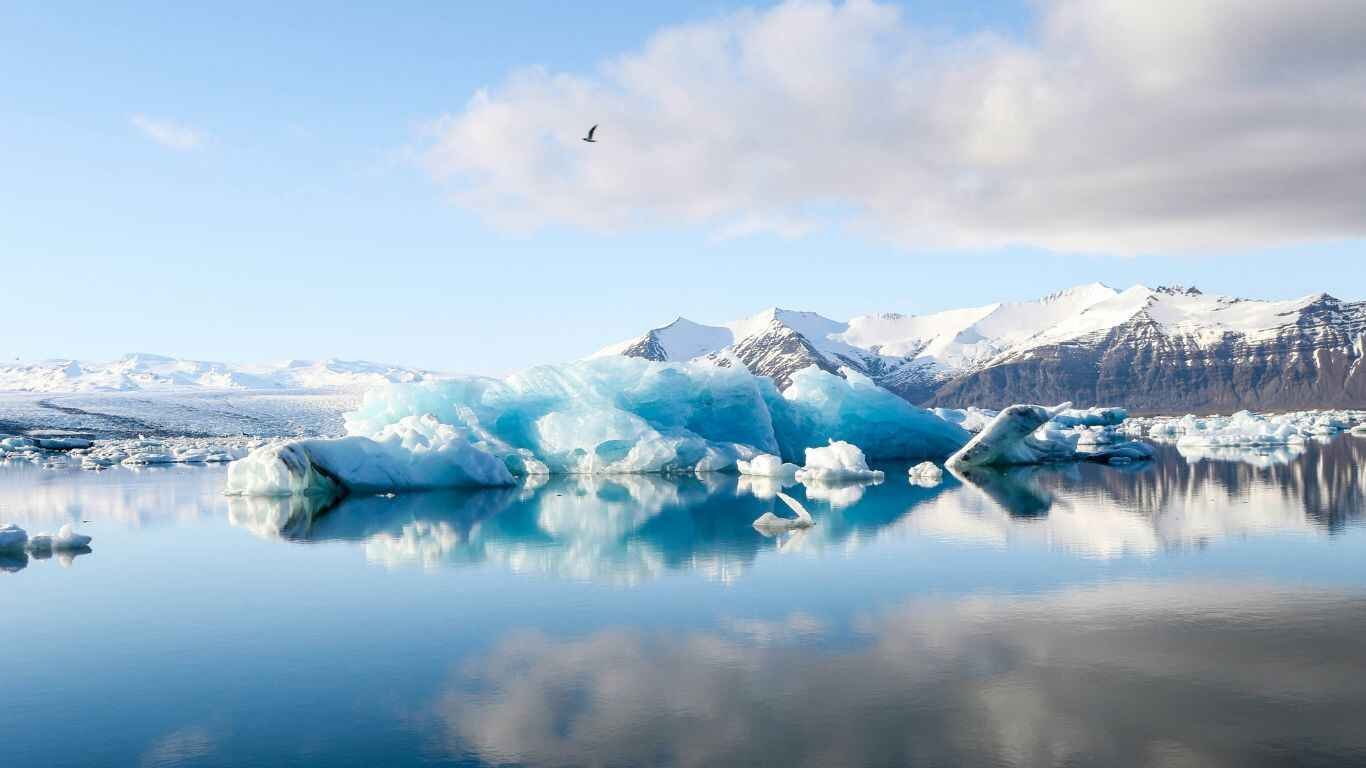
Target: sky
(261, 181)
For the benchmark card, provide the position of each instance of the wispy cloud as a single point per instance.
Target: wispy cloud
(169, 133)
(1114, 127)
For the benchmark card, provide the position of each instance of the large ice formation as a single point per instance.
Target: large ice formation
(412, 453)
(838, 462)
(1032, 434)
(609, 415)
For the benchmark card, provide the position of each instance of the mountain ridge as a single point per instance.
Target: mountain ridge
(1150, 349)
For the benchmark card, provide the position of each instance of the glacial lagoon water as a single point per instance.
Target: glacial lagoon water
(1197, 610)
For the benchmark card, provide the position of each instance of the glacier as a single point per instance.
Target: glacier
(613, 415)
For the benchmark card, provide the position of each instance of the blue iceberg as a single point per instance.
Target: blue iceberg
(613, 415)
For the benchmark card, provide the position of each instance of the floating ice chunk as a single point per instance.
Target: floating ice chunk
(1010, 439)
(12, 538)
(67, 540)
(766, 465)
(1028, 434)
(926, 474)
(1359, 429)
(413, 453)
(838, 462)
(771, 523)
(62, 443)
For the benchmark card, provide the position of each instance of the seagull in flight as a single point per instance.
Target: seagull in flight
(589, 138)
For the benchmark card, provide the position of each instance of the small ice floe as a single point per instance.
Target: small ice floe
(766, 465)
(66, 540)
(838, 462)
(771, 523)
(926, 474)
(13, 538)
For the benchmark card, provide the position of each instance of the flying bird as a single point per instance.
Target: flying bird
(589, 138)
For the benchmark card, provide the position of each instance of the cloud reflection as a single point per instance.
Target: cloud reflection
(1120, 675)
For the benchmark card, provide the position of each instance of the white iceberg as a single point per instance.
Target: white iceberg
(926, 474)
(838, 462)
(767, 465)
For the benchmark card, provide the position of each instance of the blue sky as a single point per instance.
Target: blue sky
(295, 213)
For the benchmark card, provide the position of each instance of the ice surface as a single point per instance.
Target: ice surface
(838, 462)
(926, 474)
(972, 419)
(416, 452)
(767, 465)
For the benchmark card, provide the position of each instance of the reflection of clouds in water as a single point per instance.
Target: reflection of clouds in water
(132, 497)
(1120, 675)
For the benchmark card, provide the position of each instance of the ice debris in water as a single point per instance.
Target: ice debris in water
(838, 462)
(140, 451)
(766, 465)
(612, 415)
(926, 474)
(14, 539)
(1245, 428)
(1029, 434)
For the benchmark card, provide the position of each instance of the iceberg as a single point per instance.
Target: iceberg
(767, 465)
(611, 415)
(926, 474)
(414, 453)
(1029, 434)
(66, 541)
(838, 462)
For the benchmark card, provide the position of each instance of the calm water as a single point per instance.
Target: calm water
(1196, 611)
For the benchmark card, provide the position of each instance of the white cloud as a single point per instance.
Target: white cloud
(1119, 127)
(169, 133)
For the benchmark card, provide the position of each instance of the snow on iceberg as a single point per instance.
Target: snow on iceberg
(1029, 434)
(838, 462)
(413, 453)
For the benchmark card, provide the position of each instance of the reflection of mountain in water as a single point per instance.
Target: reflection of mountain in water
(1120, 675)
(625, 529)
(1168, 503)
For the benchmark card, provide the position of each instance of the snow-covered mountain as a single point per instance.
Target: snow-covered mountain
(1158, 349)
(155, 372)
